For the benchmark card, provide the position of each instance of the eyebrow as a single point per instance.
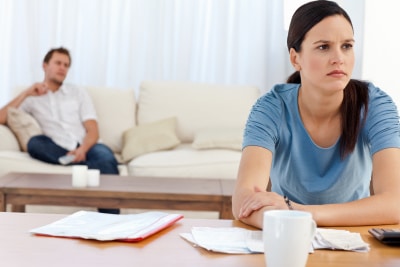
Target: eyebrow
(351, 40)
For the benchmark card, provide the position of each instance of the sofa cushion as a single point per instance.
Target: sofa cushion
(186, 162)
(195, 105)
(8, 139)
(17, 161)
(150, 137)
(116, 112)
(12, 161)
(23, 125)
(229, 138)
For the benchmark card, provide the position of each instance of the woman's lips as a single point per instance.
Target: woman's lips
(337, 73)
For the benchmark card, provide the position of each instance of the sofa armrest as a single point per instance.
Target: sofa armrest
(8, 140)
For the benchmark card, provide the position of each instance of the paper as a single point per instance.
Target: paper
(235, 240)
(339, 239)
(106, 227)
(232, 240)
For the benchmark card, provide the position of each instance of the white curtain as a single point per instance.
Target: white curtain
(119, 43)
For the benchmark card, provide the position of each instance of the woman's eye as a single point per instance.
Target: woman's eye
(348, 46)
(323, 47)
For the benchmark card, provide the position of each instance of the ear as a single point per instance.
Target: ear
(294, 59)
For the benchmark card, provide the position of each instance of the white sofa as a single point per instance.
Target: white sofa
(180, 129)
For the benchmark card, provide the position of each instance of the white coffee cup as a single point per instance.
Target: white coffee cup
(93, 177)
(79, 175)
(287, 236)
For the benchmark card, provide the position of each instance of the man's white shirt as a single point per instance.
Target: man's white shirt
(61, 114)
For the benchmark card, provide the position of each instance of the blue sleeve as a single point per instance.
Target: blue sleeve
(263, 123)
(382, 123)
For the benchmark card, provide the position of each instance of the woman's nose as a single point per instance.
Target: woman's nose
(337, 57)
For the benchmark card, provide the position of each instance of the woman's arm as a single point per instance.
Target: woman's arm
(250, 199)
(381, 208)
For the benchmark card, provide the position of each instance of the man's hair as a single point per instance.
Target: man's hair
(60, 50)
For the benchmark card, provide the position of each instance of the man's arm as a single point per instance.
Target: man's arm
(35, 90)
(91, 138)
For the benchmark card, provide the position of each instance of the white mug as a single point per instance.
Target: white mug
(93, 177)
(79, 175)
(287, 236)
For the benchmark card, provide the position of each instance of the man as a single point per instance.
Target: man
(67, 118)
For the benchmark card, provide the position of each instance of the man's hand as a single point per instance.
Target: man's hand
(79, 153)
(37, 89)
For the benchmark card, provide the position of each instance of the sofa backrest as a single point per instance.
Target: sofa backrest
(196, 106)
(116, 112)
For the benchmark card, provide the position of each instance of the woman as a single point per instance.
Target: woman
(323, 138)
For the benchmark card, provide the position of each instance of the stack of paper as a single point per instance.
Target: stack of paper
(231, 240)
(339, 239)
(235, 240)
(106, 227)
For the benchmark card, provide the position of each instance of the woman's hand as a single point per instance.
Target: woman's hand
(261, 199)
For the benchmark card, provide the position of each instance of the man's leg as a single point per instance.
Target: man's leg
(102, 158)
(99, 157)
(43, 148)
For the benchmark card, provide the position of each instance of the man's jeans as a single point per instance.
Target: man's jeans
(98, 157)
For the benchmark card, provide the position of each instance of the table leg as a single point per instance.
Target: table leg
(18, 208)
(2, 202)
(226, 210)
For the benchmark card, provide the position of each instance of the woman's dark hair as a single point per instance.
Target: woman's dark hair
(60, 50)
(355, 93)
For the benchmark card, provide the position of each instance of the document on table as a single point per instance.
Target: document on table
(107, 227)
(339, 239)
(235, 240)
